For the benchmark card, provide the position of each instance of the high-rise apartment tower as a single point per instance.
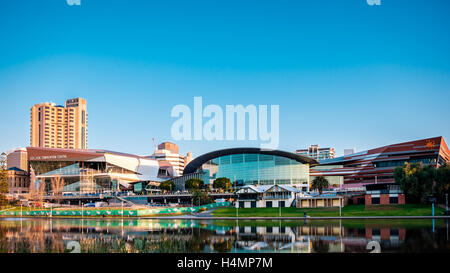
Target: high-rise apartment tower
(55, 126)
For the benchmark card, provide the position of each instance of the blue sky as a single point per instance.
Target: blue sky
(344, 73)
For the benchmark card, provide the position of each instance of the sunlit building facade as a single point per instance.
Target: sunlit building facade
(253, 166)
(93, 171)
(377, 165)
(314, 151)
(169, 152)
(57, 126)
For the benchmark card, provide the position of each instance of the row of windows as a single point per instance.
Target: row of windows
(249, 169)
(17, 182)
(402, 162)
(244, 158)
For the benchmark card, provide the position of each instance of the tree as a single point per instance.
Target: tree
(57, 184)
(167, 185)
(3, 180)
(199, 198)
(319, 183)
(194, 184)
(222, 183)
(32, 187)
(40, 191)
(416, 181)
(442, 182)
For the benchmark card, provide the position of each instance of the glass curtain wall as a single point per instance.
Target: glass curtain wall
(252, 169)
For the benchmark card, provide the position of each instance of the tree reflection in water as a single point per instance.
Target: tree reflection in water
(152, 236)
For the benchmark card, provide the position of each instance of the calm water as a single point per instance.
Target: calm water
(168, 236)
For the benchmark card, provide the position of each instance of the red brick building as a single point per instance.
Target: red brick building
(384, 194)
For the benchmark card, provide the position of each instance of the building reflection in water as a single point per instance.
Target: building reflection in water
(175, 236)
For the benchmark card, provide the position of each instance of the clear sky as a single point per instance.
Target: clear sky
(344, 73)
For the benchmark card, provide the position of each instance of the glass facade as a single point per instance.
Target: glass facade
(79, 176)
(261, 169)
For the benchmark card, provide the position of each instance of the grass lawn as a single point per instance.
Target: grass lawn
(350, 210)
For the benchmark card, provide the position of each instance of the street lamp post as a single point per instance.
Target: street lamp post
(235, 191)
(446, 203)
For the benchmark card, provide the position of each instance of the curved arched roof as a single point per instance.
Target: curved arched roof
(195, 164)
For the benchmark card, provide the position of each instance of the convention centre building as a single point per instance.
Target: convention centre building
(250, 166)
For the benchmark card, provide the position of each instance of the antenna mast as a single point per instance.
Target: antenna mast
(154, 144)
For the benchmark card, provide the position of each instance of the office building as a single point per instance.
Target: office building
(169, 152)
(55, 126)
(17, 158)
(314, 151)
(377, 165)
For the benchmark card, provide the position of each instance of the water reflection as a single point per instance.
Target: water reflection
(174, 236)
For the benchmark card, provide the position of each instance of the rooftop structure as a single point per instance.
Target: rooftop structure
(314, 151)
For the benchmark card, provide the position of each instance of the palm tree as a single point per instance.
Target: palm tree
(319, 183)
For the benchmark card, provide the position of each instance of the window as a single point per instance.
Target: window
(375, 200)
(393, 200)
(268, 204)
(376, 232)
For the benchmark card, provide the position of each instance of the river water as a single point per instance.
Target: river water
(39, 235)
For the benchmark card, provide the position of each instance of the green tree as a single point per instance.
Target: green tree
(3, 179)
(442, 182)
(416, 181)
(194, 184)
(199, 198)
(319, 183)
(222, 183)
(167, 185)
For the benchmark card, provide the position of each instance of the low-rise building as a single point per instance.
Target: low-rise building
(18, 181)
(267, 196)
(384, 194)
(325, 200)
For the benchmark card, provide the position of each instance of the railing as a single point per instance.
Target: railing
(277, 197)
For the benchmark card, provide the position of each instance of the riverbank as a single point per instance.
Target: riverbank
(407, 210)
(220, 212)
(109, 211)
